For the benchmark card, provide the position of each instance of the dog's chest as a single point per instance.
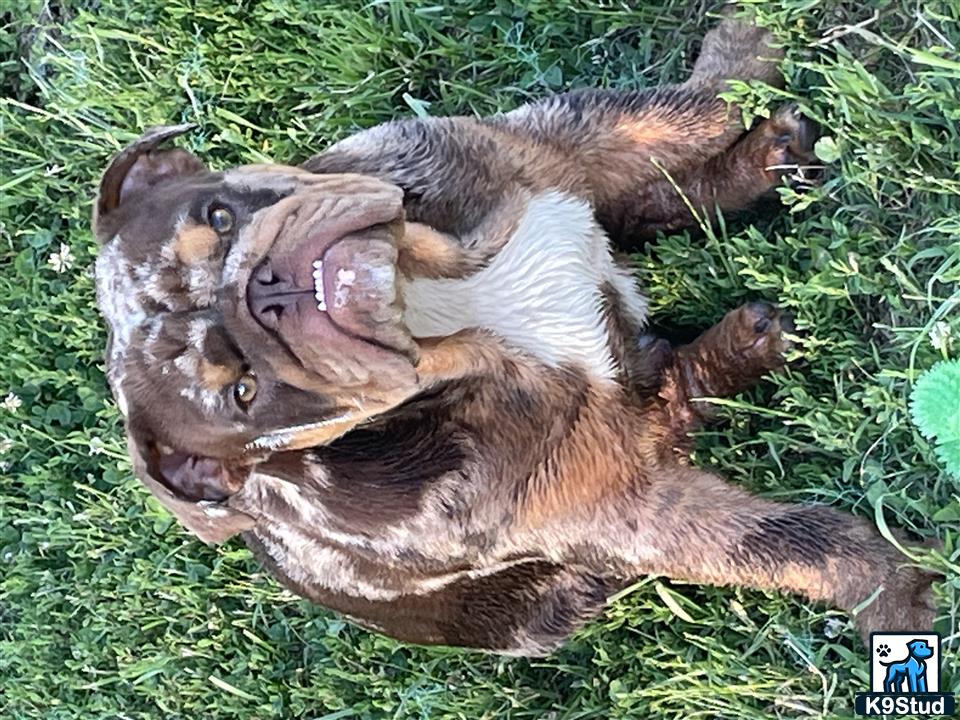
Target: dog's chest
(543, 294)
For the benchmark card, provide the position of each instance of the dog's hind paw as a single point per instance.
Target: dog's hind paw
(755, 334)
(904, 604)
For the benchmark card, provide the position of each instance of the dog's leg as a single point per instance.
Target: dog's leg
(623, 139)
(736, 50)
(746, 170)
(726, 359)
(472, 179)
(646, 155)
(690, 525)
(777, 149)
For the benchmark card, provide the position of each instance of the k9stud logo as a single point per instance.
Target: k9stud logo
(904, 677)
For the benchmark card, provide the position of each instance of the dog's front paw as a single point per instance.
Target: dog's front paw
(789, 138)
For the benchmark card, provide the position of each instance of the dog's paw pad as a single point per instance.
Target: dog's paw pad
(883, 650)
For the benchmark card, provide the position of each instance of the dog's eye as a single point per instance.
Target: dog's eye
(220, 219)
(245, 390)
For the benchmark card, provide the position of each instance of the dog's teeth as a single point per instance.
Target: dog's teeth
(318, 285)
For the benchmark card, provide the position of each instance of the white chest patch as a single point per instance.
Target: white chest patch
(542, 293)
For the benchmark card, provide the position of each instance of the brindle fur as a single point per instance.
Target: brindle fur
(497, 501)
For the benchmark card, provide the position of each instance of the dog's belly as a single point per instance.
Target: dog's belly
(542, 294)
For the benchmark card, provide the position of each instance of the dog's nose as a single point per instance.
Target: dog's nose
(269, 294)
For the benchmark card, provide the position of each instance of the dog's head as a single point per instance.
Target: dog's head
(250, 311)
(920, 649)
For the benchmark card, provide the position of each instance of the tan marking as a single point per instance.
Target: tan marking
(649, 132)
(194, 244)
(213, 376)
(425, 252)
(575, 476)
(467, 353)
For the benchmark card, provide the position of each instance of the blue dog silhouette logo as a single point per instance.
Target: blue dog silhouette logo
(909, 674)
(905, 677)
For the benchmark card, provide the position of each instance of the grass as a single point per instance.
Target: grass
(108, 610)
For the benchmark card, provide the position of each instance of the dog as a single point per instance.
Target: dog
(415, 378)
(912, 669)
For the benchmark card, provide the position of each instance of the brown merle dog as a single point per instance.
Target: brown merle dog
(408, 370)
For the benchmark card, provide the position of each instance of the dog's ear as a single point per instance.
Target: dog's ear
(140, 165)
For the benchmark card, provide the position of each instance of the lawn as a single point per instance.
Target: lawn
(109, 610)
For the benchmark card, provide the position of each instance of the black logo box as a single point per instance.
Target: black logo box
(921, 704)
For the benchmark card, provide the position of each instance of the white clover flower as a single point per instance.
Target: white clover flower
(61, 261)
(5, 445)
(11, 403)
(834, 627)
(940, 336)
(97, 446)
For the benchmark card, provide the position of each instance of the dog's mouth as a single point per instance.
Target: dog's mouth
(194, 477)
(332, 294)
